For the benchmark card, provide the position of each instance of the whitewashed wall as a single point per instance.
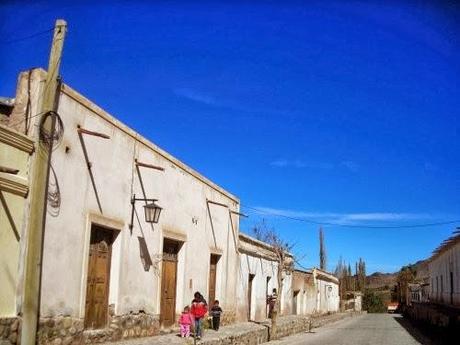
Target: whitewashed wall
(328, 299)
(251, 263)
(440, 268)
(181, 192)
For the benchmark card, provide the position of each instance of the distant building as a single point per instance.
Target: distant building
(257, 277)
(444, 271)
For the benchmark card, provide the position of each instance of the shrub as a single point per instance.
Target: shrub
(373, 303)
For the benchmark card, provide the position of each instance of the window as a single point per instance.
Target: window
(442, 285)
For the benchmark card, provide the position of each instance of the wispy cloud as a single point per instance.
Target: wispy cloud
(210, 100)
(283, 163)
(350, 165)
(195, 96)
(343, 218)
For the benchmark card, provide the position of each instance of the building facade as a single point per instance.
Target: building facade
(257, 277)
(107, 273)
(444, 272)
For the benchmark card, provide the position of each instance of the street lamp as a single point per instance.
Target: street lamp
(152, 210)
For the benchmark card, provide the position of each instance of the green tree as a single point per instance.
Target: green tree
(373, 302)
(322, 250)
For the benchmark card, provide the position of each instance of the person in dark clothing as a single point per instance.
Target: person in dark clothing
(271, 301)
(216, 312)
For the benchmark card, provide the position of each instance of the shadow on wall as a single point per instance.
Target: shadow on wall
(422, 333)
(9, 216)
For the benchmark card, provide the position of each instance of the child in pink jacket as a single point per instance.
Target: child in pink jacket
(185, 321)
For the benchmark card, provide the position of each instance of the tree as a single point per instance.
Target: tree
(360, 275)
(322, 250)
(285, 264)
(405, 276)
(373, 302)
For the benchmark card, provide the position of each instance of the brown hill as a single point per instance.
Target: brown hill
(383, 281)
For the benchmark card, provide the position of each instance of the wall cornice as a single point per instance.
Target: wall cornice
(15, 139)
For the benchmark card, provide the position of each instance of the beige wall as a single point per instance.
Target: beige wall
(14, 154)
(327, 289)
(303, 282)
(255, 258)
(181, 192)
(440, 268)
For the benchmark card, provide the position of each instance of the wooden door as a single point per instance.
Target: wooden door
(212, 278)
(251, 278)
(295, 298)
(97, 287)
(168, 283)
(266, 296)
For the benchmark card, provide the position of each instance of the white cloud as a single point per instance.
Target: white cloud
(195, 96)
(343, 218)
(283, 163)
(350, 165)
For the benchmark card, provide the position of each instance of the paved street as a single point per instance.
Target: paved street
(375, 329)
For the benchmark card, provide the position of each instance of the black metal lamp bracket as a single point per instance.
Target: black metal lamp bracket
(133, 202)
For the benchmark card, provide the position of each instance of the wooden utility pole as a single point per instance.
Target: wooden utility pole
(39, 190)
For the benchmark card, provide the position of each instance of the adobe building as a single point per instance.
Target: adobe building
(444, 272)
(107, 273)
(257, 277)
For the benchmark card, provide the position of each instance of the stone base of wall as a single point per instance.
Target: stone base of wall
(434, 315)
(10, 330)
(228, 317)
(124, 327)
(65, 330)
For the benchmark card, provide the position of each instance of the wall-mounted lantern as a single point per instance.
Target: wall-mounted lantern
(152, 210)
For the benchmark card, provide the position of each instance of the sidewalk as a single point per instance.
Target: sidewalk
(244, 333)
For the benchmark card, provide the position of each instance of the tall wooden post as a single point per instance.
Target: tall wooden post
(38, 192)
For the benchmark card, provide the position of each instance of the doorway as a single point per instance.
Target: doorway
(212, 278)
(168, 283)
(97, 284)
(251, 278)
(267, 309)
(295, 298)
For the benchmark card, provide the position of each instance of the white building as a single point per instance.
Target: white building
(444, 268)
(100, 271)
(257, 277)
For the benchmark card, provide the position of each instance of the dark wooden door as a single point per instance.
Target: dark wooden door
(168, 283)
(97, 287)
(295, 298)
(251, 278)
(212, 278)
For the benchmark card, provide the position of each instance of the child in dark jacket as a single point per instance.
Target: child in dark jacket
(216, 311)
(199, 310)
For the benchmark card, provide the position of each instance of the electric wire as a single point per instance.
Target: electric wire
(26, 37)
(364, 226)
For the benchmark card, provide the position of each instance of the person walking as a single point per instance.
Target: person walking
(198, 311)
(216, 312)
(185, 321)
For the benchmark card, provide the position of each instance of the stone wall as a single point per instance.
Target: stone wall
(228, 317)
(64, 330)
(10, 328)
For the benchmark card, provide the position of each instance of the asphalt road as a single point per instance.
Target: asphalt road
(375, 329)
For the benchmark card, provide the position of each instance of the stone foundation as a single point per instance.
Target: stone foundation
(228, 317)
(10, 330)
(65, 330)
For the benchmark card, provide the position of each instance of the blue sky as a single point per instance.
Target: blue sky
(334, 113)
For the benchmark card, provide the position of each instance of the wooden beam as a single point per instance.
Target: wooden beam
(145, 165)
(216, 203)
(96, 134)
(8, 170)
